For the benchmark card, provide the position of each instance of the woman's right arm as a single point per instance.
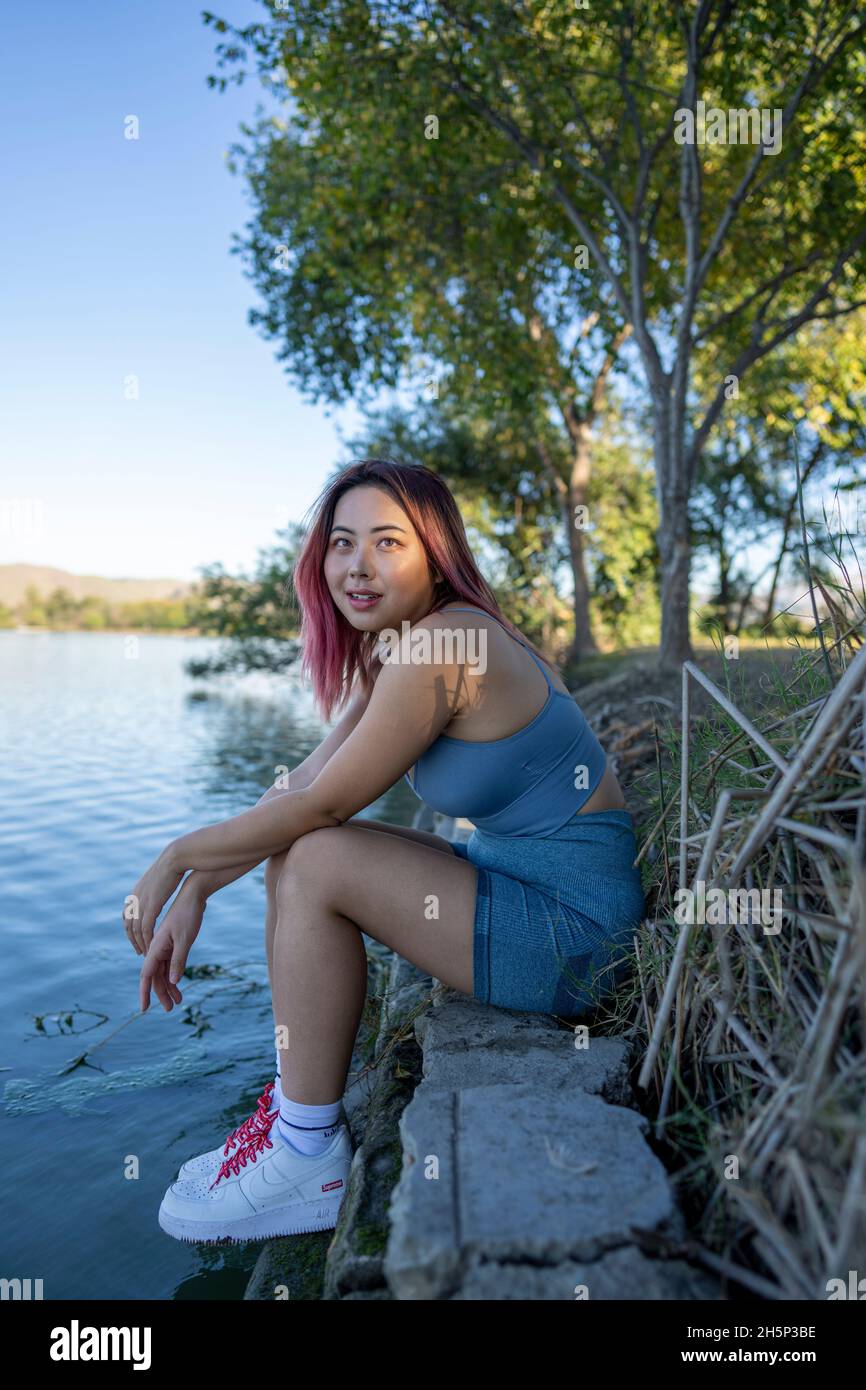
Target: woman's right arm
(202, 883)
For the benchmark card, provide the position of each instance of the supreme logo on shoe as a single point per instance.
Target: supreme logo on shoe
(329, 1186)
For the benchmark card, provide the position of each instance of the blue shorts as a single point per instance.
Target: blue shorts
(555, 914)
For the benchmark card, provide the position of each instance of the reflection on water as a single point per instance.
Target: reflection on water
(106, 758)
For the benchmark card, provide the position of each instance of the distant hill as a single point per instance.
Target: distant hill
(14, 579)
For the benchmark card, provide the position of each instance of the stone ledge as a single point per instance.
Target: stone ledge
(354, 1265)
(526, 1171)
(465, 1043)
(621, 1274)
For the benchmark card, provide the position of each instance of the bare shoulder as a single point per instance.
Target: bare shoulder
(505, 642)
(429, 659)
(438, 621)
(442, 639)
(445, 620)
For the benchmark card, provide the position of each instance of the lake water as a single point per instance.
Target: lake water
(109, 751)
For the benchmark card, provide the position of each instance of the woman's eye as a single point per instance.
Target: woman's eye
(337, 539)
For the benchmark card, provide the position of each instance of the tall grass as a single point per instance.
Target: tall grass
(752, 1029)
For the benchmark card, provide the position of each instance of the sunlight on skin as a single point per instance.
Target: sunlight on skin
(374, 545)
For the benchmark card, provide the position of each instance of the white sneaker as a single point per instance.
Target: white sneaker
(264, 1189)
(261, 1120)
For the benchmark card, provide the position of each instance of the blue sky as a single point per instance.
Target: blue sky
(116, 262)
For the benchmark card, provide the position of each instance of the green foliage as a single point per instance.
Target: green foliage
(258, 614)
(261, 605)
(747, 493)
(59, 610)
(623, 549)
(32, 608)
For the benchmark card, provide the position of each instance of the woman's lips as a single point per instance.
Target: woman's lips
(363, 602)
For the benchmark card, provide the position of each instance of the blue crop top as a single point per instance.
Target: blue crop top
(528, 783)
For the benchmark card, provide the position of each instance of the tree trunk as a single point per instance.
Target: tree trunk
(771, 596)
(724, 599)
(676, 563)
(583, 643)
(674, 538)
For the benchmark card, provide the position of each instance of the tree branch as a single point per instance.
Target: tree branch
(756, 349)
(813, 72)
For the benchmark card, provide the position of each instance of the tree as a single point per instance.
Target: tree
(709, 241)
(748, 493)
(259, 613)
(366, 246)
(33, 608)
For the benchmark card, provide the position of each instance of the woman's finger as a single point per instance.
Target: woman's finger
(144, 986)
(150, 976)
(159, 988)
(131, 933)
(158, 974)
(132, 921)
(169, 994)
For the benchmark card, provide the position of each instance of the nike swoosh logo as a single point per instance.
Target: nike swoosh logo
(276, 1189)
(268, 1192)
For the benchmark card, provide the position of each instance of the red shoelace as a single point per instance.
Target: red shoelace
(248, 1152)
(260, 1119)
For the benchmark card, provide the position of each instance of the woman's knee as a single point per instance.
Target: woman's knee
(308, 861)
(273, 868)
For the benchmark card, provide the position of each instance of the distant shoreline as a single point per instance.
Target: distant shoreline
(115, 631)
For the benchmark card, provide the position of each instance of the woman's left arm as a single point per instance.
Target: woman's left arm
(251, 836)
(409, 707)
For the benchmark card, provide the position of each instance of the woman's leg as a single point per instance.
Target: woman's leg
(334, 884)
(274, 867)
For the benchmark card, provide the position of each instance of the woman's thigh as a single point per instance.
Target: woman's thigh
(424, 837)
(274, 865)
(404, 893)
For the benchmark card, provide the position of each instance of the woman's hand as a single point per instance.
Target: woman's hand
(148, 898)
(166, 958)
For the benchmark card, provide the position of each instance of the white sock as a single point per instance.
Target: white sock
(308, 1128)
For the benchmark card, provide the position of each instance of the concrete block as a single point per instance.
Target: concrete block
(519, 1172)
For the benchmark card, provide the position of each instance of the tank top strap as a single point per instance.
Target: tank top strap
(536, 659)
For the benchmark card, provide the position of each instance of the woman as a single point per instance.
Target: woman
(530, 914)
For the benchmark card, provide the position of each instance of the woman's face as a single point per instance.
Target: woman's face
(374, 546)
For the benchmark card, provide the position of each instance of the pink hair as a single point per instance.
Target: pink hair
(335, 653)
